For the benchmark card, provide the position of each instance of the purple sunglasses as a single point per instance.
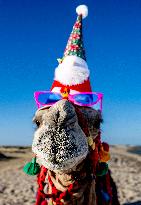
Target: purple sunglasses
(88, 99)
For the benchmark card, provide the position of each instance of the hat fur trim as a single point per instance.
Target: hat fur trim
(73, 70)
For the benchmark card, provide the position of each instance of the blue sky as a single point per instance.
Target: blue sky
(33, 34)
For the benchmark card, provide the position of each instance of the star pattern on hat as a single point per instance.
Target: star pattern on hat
(75, 43)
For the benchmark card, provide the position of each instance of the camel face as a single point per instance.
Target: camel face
(59, 142)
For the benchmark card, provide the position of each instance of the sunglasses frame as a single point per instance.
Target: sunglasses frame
(70, 98)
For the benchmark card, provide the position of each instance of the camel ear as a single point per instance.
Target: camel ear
(98, 120)
(100, 116)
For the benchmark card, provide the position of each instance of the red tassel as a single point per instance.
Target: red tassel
(44, 203)
(41, 178)
(105, 146)
(94, 157)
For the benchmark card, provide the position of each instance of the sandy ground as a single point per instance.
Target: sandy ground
(17, 188)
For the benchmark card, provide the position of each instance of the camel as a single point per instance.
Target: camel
(61, 143)
(67, 143)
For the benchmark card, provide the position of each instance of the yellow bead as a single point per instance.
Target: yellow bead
(93, 146)
(90, 141)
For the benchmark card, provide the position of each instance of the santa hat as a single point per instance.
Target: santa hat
(72, 71)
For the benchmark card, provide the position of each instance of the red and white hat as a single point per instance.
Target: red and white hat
(72, 71)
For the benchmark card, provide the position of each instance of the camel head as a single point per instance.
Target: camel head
(60, 142)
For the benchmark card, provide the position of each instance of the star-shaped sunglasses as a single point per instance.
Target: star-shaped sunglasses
(88, 99)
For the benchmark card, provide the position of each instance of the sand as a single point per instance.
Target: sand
(17, 188)
(126, 171)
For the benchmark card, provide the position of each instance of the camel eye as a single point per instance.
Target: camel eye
(37, 123)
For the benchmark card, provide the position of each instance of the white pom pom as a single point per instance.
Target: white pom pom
(82, 10)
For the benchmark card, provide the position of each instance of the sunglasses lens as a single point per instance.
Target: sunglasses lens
(85, 98)
(97, 106)
(48, 98)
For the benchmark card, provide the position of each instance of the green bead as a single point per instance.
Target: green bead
(32, 168)
(102, 169)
